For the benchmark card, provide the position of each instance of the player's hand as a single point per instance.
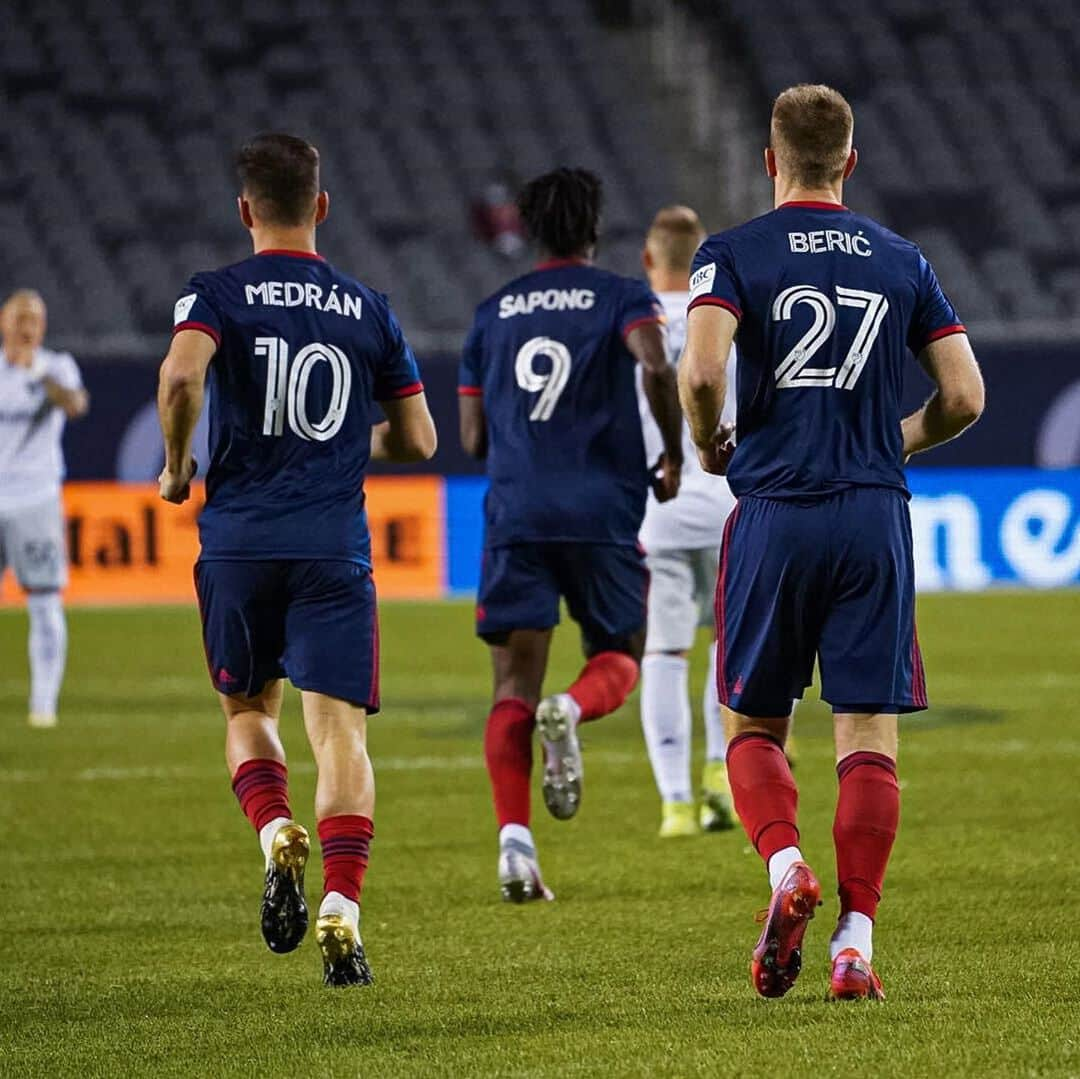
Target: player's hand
(176, 486)
(716, 456)
(665, 478)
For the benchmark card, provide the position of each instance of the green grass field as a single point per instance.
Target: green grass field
(131, 882)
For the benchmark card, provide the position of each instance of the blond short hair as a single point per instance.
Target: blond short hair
(810, 134)
(675, 234)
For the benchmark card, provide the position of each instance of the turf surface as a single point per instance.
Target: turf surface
(130, 943)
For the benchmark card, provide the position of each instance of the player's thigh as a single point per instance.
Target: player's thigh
(328, 718)
(266, 701)
(242, 608)
(519, 662)
(518, 590)
(332, 632)
(34, 542)
(606, 587)
(869, 652)
(769, 605)
(673, 607)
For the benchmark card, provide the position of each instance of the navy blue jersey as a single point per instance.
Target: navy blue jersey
(828, 303)
(566, 457)
(303, 353)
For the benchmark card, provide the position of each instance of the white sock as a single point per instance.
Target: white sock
(715, 740)
(516, 833)
(667, 723)
(571, 706)
(48, 650)
(267, 833)
(336, 903)
(780, 863)
(854, 930)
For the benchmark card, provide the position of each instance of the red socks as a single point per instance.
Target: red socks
(766, 798)
(345, 842)
(508, 752)
(604, 683)
(867, 814)
(262, 788)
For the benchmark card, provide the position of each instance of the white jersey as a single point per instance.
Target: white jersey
(695, 518)
(31, 457)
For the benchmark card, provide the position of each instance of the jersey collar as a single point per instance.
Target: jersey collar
(555, 264)
(291, 254)
(813, 205)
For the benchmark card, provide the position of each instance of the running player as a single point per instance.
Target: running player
(39, 391)
(547, 396)
(297, 354)
(682, 543)
(817, 557)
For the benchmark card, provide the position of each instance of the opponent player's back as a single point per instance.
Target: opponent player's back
(829, 303)
(565, 451)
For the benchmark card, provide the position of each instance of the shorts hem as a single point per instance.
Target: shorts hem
(487, 631)
(887, 708)
(340, 693)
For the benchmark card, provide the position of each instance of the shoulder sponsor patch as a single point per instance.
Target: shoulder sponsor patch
(183, 308)
(702, 281)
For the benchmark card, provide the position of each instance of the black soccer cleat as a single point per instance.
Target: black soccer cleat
(284, 910)
(344, 962)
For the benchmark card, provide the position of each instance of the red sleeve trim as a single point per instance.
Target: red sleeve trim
(715, 301)
(944, 331)
(645, 320)
(201, 326)
(470, 391)
(405, 391)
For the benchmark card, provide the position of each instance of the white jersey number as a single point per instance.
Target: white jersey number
(794, 371)
(551, 385)
(286, 388)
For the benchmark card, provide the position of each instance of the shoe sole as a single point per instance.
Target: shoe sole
(777, 959)
(562, 761)
(344, 961)
(284, 915)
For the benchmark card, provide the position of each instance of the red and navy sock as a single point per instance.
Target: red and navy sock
(345, 841)
(508, 753)
(763, 789)
(262, 788)
(867, 816)
(604, 683)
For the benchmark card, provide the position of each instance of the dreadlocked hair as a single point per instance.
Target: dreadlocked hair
(561, 210)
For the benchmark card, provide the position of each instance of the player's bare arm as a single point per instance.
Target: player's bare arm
(73, 403)
(710, 331)
(956, 403)
(472, 425)
(646, 344)
(180, 401)
(408, 433)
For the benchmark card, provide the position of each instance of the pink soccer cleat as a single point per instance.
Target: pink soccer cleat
(777, 958)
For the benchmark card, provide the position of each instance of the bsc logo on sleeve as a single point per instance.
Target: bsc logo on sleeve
(702, 281)
(183, 308)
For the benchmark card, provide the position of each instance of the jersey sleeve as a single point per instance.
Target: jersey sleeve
(399, 374)
(470, 372)
(713, 281)
(196, 310)
(639, 307)
(934, 316)
(65, 371)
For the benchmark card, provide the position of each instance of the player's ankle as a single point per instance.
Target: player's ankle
(853, 930)
(780, 862)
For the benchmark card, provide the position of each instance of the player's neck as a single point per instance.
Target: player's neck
(785, 191)
(19, 355)
(669, 281)
(284, 239)
(544, 257)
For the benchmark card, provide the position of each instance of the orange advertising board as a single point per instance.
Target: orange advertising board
(127, 546)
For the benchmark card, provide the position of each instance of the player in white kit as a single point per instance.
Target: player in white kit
(39, 391)
(682, 543)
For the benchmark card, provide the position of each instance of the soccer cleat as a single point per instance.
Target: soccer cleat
(717, 813)
(777, 958)
(42, 720)
(853, 978)
(562, 757)
(344, 962)
(677, 820)
(284, 910)
(519, 874)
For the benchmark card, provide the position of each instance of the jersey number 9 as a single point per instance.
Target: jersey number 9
(286, 388)
(551, 385)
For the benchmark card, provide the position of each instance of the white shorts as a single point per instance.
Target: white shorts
(682, 592)
(32, 544)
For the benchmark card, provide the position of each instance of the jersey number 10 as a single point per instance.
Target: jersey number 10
(286, 388)
(793, 370)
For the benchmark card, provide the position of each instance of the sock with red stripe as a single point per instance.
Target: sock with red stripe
(262, 788)
(604, 683)
(508, 753)
(345, 841)
(766, 799)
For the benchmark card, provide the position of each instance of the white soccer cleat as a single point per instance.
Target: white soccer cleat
(519, 873)
(42, 720)
(556, 720)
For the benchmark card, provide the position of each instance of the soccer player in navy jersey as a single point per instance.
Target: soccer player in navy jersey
(817, 557)
(297, 353)
(548, 398)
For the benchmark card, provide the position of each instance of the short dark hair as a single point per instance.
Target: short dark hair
(561, 210)
(280, 176)
(811, 134)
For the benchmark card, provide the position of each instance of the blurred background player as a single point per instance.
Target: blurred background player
(547, 396)
(39, 391)
(682, 544)
(297, 353)
(817, 557)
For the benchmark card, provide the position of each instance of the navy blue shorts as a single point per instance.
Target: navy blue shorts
(314, 622)
(832, 578)
(605, 586)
